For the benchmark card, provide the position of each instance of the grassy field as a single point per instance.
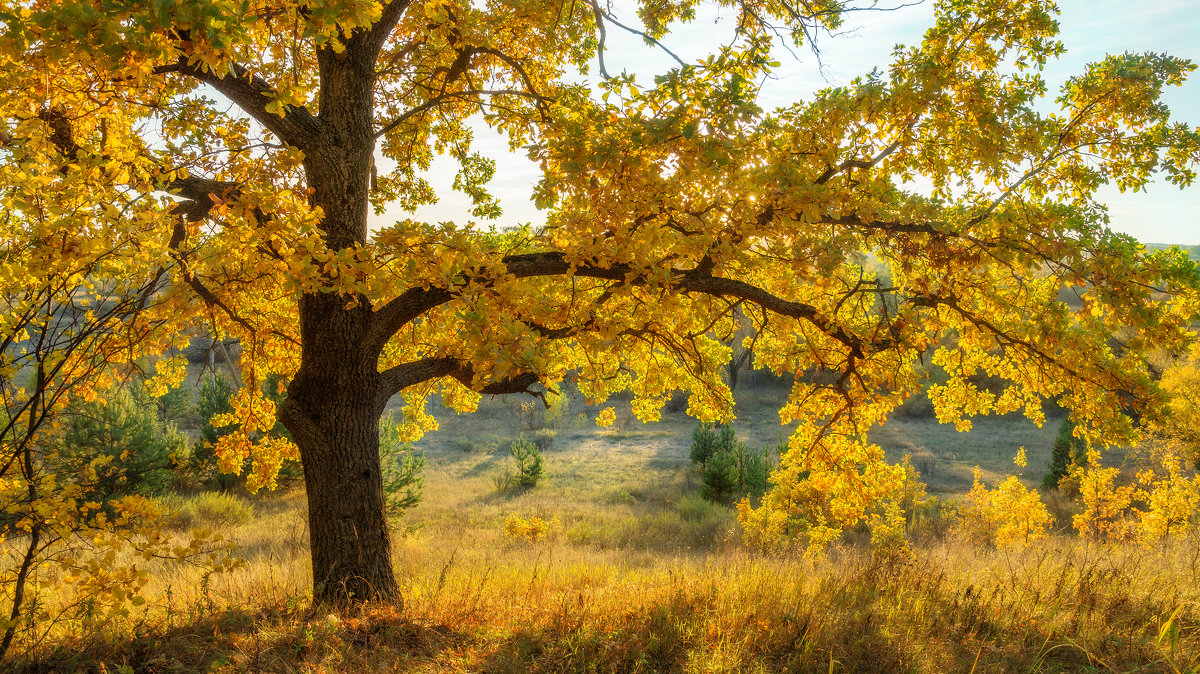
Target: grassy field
(645, 575)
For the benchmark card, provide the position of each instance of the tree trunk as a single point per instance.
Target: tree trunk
(334, 403)
(332, 411)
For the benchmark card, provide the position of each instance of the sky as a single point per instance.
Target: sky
(1090, 29)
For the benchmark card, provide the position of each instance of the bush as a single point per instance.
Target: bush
(924, 461)
(1068, 451)
(1009, 514)
(402, 468)
(533, 529)
(505, 481)
(721, 477)
(708, 439)
(530, 464)
(531, 415)
(136, 448)
(727, 467)
(544, 439)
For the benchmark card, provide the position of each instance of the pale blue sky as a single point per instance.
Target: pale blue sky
(1090, 29)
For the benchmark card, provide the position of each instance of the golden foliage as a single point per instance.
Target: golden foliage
(669, 203)
(820, 495)
(1178, 424)
(1008, 514)
(1105, 503)
(1170, 498)
(533, 529)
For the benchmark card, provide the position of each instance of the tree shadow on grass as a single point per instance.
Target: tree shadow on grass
(868, 619)
(273, 639)
(486, 464)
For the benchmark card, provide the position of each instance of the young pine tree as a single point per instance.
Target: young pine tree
(213, 400)
(402, 468)
(1068, 451)
(722, 477)
(530, 464)
(137, 449)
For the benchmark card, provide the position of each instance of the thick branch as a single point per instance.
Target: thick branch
(416, 301)
(726, 287)
(199, 193)
(200, 196)
(296, 126)
(856, 164)
(404, 309)
(400, 377)
(377, 36)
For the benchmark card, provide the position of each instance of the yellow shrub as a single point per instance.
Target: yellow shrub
(889, 521)
(1010, 514)
(1104, 516)
(1170, 499)
(826, 483)
(533, 529)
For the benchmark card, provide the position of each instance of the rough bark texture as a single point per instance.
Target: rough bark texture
(334, 402)
(333, 413)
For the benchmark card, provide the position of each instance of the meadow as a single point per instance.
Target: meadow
(640, 573)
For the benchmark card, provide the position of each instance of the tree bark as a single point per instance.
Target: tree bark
(332, 411)
(334, 402)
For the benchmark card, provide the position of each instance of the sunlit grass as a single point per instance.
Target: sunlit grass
(645, 575)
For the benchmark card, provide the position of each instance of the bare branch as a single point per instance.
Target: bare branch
(599, 17)
(442, 98)
(640, 33)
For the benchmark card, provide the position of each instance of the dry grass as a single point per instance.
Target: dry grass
(645, 576)
(507, 607)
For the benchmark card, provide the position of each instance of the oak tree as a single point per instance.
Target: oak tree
(244, 144)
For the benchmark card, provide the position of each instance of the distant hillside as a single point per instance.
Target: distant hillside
(1192, 251)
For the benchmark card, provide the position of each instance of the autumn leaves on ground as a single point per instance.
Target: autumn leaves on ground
(615, 560)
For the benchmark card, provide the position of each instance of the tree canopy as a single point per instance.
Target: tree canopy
(233, 149)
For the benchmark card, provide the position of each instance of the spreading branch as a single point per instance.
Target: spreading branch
(450, 95)
(397, 378)
(296, 126)
(417, 301)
